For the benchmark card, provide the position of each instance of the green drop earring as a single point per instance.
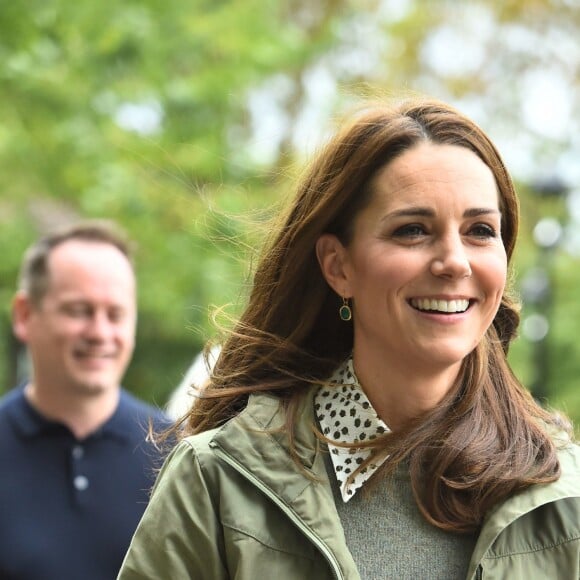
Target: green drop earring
(344, 311)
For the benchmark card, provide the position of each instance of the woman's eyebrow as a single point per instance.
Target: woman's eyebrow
(411, 212)
(428, 212)
(477, 211)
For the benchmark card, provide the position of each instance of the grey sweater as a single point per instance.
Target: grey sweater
(389, 538)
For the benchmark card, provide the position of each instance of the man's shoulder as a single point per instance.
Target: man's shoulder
(11, 398)
(12, 406)
(139, 410)
(132, 401)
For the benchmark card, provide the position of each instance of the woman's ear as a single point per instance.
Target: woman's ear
(332, 258)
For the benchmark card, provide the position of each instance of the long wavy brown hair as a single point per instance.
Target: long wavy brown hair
(488, 438)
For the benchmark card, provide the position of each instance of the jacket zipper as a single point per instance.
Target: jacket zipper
(328, 555)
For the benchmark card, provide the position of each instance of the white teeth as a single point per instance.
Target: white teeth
(440, 305)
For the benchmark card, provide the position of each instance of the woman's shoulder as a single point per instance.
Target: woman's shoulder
(568, 484)
(198, 443)
(569, 457)
(562, 493)
(566, 487)
(531, 523)
(262, 414)
(187, 452)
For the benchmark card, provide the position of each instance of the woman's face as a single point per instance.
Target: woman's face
(426, 267)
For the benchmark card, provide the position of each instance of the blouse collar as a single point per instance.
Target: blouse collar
(346, 415)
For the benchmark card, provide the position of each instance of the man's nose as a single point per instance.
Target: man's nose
(99, 326)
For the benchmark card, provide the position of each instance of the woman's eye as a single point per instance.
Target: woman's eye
(410, 231)
(483, 231)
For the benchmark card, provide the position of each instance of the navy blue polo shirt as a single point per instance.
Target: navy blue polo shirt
(68, 508)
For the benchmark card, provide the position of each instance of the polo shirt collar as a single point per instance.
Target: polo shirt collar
(26, 419)
(30, 423)
(116, 426)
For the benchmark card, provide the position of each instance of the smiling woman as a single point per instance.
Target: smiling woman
(425, 267)
(362, 420)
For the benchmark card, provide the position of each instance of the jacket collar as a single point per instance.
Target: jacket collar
(258, 441)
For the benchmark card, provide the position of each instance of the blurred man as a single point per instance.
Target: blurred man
(76, 467)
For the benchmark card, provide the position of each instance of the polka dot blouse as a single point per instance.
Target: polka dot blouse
(346, 415)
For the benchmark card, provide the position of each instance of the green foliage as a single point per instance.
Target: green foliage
(80, 83)
(138, 111)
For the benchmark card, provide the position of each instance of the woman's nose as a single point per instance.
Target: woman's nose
(451, 259)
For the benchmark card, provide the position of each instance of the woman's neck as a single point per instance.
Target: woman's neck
(399, 391)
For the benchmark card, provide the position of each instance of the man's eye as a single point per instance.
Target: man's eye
(410, 231)
(483, 231)
(76, 311)
(116, 315)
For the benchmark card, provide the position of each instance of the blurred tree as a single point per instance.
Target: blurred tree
(176, 117)
(130, 110)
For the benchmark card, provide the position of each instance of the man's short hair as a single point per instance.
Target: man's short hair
(34, 275)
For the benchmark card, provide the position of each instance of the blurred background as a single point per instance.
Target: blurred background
(187, 121)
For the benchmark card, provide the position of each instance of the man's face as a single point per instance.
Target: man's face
(82, 333)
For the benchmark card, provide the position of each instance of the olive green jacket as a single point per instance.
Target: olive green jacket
(232, 503)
